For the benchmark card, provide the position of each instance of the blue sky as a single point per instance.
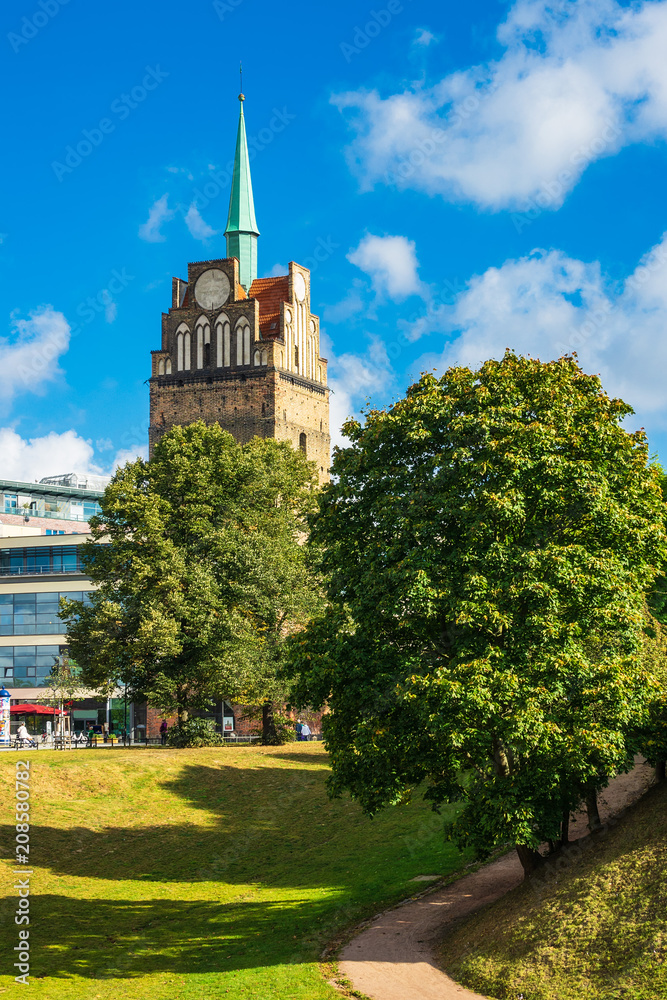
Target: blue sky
(461, 178)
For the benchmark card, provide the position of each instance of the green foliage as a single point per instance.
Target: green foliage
(64, 682)
(657, 598)
(284, 727)
(201, 573)
(487, 543)
(194, 733)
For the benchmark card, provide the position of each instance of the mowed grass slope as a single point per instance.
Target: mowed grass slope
(593, 929)
(200, 873)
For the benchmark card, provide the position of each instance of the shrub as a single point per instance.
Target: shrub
(194, 733)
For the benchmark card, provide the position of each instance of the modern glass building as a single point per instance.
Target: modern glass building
(52, 507)
(34, 575)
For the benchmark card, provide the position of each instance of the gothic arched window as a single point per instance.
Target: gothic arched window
(302, 442)
(243, 342)
(187, 362)
(167, 366)
(223, 341)
(160, 366)
(181, 334)
(203, 335)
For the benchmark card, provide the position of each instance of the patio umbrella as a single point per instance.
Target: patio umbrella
(34, 710)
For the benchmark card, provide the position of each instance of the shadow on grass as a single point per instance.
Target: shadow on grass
(126, 939)
(265, 825)
(316, 763)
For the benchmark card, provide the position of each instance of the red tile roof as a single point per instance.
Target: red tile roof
(270, 292)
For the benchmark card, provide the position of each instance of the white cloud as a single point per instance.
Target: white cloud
(353, 304)
(353, 379)
(29, 356)
(110, 310)
(277, 271)
(424, 37)
(577, 81)
(549, 304)
(130, 455)
(158, 214)
(28, 459)
(391, 263)
(51, 455)
(199, 229)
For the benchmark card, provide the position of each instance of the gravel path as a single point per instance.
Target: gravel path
(393, 959)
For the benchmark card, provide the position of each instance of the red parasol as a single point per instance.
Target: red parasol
(34, 710)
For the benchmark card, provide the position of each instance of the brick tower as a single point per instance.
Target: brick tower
(239, 350)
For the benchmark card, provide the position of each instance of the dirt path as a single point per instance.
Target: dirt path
(393, 959)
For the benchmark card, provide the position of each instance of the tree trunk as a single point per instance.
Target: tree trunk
(660, 771)
(530, 859)
(269, 734)
(592, 810)
(565, 829)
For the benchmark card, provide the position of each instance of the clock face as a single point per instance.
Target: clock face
(212, 289)
(299, 286)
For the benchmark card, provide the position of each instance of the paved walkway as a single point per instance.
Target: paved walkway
(393, 959)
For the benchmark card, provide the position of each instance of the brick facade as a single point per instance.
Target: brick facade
(269, 381)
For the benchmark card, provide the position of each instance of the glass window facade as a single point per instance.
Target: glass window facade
(45, 559)
(27, 666)
(34, 614)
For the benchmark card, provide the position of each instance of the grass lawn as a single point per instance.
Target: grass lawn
(199, 873)
(592, 929)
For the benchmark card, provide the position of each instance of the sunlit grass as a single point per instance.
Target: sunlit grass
(203, 873)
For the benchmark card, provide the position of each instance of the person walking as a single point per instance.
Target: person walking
(163, 731)
(305, 732)
(299, 727)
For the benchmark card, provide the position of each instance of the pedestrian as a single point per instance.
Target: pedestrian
(23, 735)
(299, 729)
(305, 732)
(163, 731)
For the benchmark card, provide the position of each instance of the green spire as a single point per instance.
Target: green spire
(242, 232)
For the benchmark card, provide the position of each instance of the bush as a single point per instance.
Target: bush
(194, 733)
(285, 729)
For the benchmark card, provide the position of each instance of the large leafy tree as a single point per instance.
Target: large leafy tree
(487, 541)
(201, 571)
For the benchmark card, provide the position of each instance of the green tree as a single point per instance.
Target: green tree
(65, 685)
(201, 572)
(487, 544)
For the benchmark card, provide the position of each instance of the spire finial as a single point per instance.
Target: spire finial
(241, 95)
